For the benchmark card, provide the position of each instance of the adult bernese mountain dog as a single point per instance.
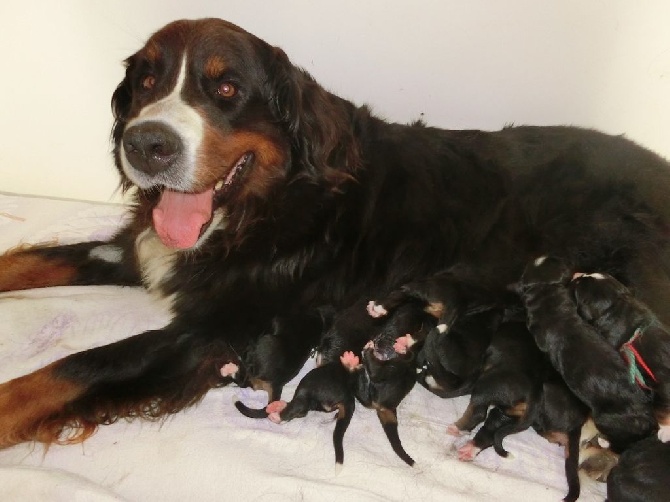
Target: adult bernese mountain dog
(259, 195)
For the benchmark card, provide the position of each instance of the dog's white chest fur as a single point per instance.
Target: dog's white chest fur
(155, 259)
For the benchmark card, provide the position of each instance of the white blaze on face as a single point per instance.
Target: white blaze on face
(539, 261)
(183, 119)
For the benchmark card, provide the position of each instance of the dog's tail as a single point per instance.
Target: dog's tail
(250, 412)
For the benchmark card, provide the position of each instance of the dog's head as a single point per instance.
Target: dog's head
(210, 120)
(542, 270)
(595, 293)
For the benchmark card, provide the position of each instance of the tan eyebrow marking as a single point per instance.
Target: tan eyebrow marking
(152, 52)
(214, 67)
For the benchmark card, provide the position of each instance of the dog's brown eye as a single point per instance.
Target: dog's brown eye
(227, 90)
(148, 82)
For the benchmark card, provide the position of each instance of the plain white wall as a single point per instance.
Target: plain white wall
(458, 64)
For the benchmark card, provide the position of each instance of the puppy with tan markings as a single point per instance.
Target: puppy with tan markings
(380, 379)
(631, 327)
(451, 357)
(558, 416)
(510, 380)
(590, 367)
(277, 356)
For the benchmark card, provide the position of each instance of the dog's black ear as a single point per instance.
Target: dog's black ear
(122, 99)
(319, 123)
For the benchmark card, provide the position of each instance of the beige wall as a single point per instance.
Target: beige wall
(457, 63)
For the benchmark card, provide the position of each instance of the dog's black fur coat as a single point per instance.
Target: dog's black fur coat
(338, 207)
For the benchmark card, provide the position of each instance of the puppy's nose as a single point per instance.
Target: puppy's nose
(151, 147)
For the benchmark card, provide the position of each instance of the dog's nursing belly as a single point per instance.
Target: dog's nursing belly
(259, 195)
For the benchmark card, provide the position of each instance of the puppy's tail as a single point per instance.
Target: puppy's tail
(250, 412)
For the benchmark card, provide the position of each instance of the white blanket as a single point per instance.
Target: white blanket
(211, 452)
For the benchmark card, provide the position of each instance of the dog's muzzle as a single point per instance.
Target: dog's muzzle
(152, 147)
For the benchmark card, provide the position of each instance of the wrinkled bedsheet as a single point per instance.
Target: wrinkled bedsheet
(211, 452)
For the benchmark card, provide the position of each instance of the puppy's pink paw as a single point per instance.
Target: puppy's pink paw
(350, 360)
(276, 406)
(274, 417)
(403, 343)
(376, 310)
(468, 452)
(229, 370)
(453, 430)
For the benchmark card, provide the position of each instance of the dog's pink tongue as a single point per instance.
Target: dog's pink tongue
(179, 217)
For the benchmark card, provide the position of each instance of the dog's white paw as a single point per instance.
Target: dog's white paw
(664, 433)
(376, 310)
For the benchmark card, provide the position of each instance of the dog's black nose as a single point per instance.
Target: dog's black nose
(151, 147)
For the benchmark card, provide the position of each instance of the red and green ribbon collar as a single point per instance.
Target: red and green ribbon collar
(637, 368)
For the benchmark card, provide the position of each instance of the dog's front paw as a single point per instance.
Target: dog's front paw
(664, 433)
(403, 343)
(468, 452)
(274, 409)
(350, 360)
(229, 370)
(453, 430)
(376, 310)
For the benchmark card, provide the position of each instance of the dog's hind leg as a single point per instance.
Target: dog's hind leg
(389, 421)
(473, 415)
(146, 376)
(75, 264)
(572, 465)
(345, 410)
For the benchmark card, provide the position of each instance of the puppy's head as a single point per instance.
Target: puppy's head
(542, 270)
(210, 121)
(595, 293)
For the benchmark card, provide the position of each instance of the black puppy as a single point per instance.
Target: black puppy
(632, 328)
(380, 379)
(641, 474)
(510, 380)
(592, 370)
(451, 357)
(277, 356)
(559, 417)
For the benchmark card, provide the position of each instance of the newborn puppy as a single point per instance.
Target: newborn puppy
(380, 379)
(511, 380)
(592, 370)
(451, 361)
(325, 388)
(277, 356)
(631, 327)
(641, 474)
(466, 317)
(559, 418)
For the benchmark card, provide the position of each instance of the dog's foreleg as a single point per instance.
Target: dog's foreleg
(76, 264)
(146, 376)
(345, 410)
